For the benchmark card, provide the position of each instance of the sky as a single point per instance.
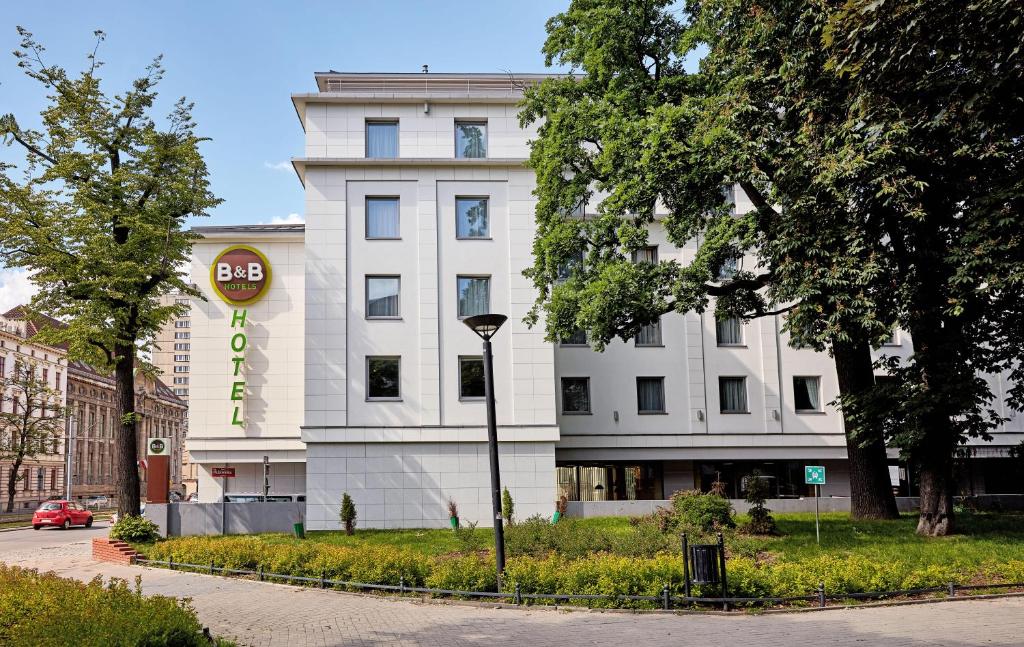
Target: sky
(240, 61)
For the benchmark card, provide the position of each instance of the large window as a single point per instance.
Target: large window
(471, 218)
(732, 395)
(649, 335)
(383, 377)
(575, 395)
(382, 219)
(470, 139)
(650, 395)
(471, 378)
(566, 269)
(807, 393)
(578, 338)
(383, 299)
(474, 293)
(382, 139)
(647, 255)
(729, 331)
(728, 269)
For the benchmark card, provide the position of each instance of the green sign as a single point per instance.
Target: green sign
(814, 474)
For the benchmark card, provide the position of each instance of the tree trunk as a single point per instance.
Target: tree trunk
(12, 484)
(935, 464)
(871, 494)
(126, 451)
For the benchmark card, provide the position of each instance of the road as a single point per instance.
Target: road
(264, 614)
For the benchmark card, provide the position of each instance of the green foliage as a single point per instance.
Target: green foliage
(44, 609)
(348, 514)
(135, 529)
(698, 512)
(468, 539)
(508, 507)
(761, 521)
(576, 538)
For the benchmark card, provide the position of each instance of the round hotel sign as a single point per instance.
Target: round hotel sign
(240, 275)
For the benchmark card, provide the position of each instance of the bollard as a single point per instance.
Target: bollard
(211, 567)
(821, 594)
(666, 602)
(323, 579)
(401, 584)
(207, 635)
(260, 573)
(170, 563)
(952, 589)
(518, 599)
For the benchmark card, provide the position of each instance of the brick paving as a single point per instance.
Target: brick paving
(265, 614)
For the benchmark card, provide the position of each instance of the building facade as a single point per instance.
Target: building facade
(357, 374)
(41, 475)
(172, 356)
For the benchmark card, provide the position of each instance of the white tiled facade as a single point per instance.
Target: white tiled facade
(402, 457)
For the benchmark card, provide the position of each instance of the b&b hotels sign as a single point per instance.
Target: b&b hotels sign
(241, 276)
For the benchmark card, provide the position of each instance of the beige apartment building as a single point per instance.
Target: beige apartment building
(172, 357)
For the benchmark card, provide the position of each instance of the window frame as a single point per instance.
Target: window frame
(664, 404)
(746, 395)
(366, 215)
(366, 137)
(487, 206)
(742, 343)
(366, 376)
(661, 338)
(471, 122)
(652, 249)
(458, 292)
(821, 405)
(590, 402)
(472, 398)
(569, 344)
(366, 297)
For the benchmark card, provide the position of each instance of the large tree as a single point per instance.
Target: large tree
(97, 214)
(637, 128)
(34, 426)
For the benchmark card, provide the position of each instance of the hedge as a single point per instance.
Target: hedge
(603, 573)
(44, 609)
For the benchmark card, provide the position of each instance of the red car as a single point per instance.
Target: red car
(61, 513)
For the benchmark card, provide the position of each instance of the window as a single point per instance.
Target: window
(575, 395)
(57, 382)
(650, 395)
(732, 394)
(729, 195)
(3, 366)
(181, 323)
(382, 297)
(46, 376)
(474, 294)
(181, 358)
(566, 269)
(382, 221)
(647, 255)
(180, 391)
(807, 393)
(728, 268)
(182, 302)
(729, 331)
(382, 139)
(181, 369)
(181, 380)
(470, 139)
(471, 378)
(471, 218)
(893, 339)
(182, 335)
(649, 335)
(578, 338)
(184, 346)
(383, 378)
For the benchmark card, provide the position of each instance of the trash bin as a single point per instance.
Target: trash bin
(300, 531)
(705, 564)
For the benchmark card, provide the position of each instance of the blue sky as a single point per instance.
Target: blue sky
(240, 61)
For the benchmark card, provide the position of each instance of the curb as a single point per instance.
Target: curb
(29, 527)
(424, 599)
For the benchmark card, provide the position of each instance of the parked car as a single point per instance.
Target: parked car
(100, 501)
(61, 513)
(252, 497)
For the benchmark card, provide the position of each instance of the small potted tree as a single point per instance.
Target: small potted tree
(348, 514)
(453, 514)
(561, 505)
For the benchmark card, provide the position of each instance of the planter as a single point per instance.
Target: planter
(556, 517)
(454, 521)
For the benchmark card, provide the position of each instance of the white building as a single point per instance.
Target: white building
(359, 375)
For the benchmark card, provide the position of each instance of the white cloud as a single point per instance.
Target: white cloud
(290, 219)
(15, 288)
(280, 166)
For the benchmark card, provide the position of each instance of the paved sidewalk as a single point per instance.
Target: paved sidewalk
(261, 614)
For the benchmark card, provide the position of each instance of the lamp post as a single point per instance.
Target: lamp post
(485, 326)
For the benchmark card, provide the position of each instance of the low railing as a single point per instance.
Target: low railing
(666, 600)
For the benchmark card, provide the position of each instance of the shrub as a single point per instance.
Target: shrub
(761, 520)
(468, 539)
(135, 529)
(695, 511)
(44, 609)
(348, 514)
(508, 507)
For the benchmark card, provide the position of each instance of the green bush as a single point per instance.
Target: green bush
(44, 609)
(135, 529)
(761, 521)
(695, 511)
(508, 507)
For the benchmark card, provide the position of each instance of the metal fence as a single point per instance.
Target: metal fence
(820, 597)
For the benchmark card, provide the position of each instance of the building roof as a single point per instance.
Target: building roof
(34, 322)
(80, 369)
(231, 229)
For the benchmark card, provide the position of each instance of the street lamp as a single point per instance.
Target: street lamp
(485, 326)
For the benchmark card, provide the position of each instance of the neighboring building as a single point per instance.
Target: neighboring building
(172, 356)
(354, 373)
(43, 475)
(90, 401)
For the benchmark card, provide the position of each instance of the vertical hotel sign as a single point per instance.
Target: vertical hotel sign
(241, 276)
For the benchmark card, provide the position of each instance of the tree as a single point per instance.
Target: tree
(98, 216)
(638, 129)
(761, 520)
(508, 506)
(348, 514)
(35, 423)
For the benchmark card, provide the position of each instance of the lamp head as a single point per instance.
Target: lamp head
(485, 325)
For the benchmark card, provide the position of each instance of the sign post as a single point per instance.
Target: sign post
(815, 475)
(224, 473)
(158, 467)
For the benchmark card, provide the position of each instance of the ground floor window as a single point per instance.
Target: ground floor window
(610, 481)
(785, 478)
